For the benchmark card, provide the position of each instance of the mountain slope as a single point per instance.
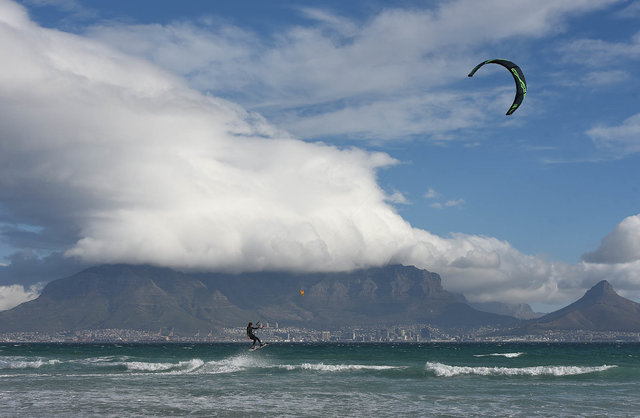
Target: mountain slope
(517, 310)
(120, 296)
(600, 309)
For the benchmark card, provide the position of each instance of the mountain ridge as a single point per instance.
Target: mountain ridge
(150, 298)
(146, 297)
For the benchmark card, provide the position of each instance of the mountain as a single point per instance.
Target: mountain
(517, 310)
(126, 297)
(600, 309)
(150, 298)
(385, 295)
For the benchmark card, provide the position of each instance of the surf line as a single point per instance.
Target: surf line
(445, 370)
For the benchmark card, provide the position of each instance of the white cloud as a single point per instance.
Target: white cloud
(622, 139)
(380, 78)
(398, 198)
(601, 53)
(336, 24)
(144, 169)
(606, 78)
(14, 295)
(631, 11)
(454, 203)
(449, 203)
(150, 171)
(622, 245)
(623, 276)
(431, 194)
(488, 269)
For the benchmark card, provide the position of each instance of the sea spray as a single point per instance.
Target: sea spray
(234, 364)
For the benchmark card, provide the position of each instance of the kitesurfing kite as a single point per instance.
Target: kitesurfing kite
(518, 76)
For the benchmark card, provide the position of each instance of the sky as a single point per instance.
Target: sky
(323, 136)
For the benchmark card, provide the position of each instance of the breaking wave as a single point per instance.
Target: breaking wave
(232, 364)
(336, 367)
(507, 355)
(241, 363)
(22, 364)
(180, 367)
(445, 370)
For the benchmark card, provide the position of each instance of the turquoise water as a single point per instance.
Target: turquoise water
(320, 380)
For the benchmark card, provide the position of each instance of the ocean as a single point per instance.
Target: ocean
(320, 380)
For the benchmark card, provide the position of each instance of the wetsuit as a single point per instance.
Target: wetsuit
(251, 336)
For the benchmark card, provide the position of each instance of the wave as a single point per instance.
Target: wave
(440, 369)
(233, 364)
(242, 363)
(180, 367)
(24, 364)
(507, 355)
(229, 365)
(336, 367)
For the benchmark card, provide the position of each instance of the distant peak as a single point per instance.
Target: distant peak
(602, 288)
(603, 285)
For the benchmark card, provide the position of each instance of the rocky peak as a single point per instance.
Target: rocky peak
(602, 290)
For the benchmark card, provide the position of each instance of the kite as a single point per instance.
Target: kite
(518, 76)
(302, 293)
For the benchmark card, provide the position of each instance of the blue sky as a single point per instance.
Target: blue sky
(350, 128)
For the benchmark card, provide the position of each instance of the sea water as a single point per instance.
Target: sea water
(320, 380)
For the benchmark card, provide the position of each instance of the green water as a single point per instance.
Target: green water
(320, 380)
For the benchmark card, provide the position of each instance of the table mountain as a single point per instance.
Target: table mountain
(382, 295)
(150, 298)
(126, 297)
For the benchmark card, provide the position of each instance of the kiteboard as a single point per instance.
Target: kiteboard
(257, 347)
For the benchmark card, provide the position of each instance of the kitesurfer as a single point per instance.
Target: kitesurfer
(251, 335)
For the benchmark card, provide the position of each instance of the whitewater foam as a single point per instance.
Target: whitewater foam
(180, 367)
(24, 364)
(445, 370)
(103, 359)
(233, 364)
(507, 355)
(335, 367)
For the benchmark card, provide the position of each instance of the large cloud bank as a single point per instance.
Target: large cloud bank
(115, 160)
(147, 170)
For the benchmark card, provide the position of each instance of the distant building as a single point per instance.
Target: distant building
(425, 333)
